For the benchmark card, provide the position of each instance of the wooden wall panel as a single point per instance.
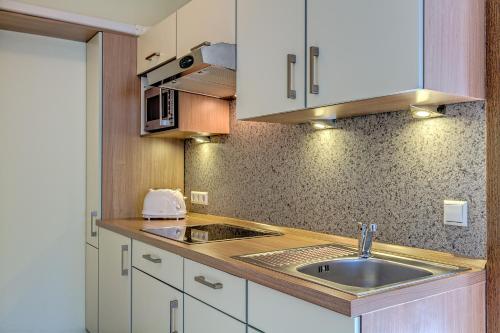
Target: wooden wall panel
(131, 164)
(458, 311)
(493, 162)
(454, 49)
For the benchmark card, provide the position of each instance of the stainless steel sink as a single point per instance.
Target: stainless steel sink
(339, 267)
(363, 273)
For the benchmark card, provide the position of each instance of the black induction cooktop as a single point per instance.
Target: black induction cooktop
(196, 234)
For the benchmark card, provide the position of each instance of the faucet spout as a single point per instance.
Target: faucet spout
(365, 239)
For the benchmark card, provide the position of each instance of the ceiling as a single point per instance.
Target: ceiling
(140, 12)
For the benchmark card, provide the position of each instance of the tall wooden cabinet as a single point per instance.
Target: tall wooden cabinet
(93, 138)
(116, 179)
(93, 178)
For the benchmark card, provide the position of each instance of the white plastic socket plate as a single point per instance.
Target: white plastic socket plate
(455, 213)
(199, 198)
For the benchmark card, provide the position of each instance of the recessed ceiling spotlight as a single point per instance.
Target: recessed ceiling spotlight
(321, 124)
(427, 111)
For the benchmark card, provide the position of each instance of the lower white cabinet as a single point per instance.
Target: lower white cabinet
(91, 289)
(156, 307)
(114, 282)
(274, 312)
(137, 300)
(202, 318)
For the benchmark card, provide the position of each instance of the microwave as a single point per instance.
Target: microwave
(160, 109)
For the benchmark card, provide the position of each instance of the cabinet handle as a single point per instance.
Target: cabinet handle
(174, 305)
(93, 216)
(149, 257)
(291, 59)
(200, 45)
(313, 70)
(124, 270)
(201, 279)
(150, 57)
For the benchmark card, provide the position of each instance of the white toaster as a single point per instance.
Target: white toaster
(164, 204)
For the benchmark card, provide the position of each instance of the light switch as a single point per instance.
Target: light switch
(455, 213)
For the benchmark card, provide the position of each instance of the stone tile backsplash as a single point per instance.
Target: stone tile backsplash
(387, 168)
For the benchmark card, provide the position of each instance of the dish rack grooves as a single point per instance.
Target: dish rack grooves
(287, 257)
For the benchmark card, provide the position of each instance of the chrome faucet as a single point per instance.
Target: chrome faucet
(365, 239)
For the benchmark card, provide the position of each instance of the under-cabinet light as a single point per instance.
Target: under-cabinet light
(201, 139)
(321, 124)
(427, 111)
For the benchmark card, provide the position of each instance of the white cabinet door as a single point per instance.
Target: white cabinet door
(156, 307)
(91, 289)
(114, 283)
(268, 80)
(157, 45)
(365, 49)
(274, 312)
(201, 21)
(201, 318)
(94, 138)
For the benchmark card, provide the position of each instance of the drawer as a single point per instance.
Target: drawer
(161, 264)
(221, 290)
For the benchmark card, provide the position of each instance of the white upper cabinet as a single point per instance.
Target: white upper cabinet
(157, 45)
(202, 21)
(364, 49)
(94, 138)
(356, 57)
(271, 57)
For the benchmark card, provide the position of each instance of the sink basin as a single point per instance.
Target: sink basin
(339, 267)
(363, 273)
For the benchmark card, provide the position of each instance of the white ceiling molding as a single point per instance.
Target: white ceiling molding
(27, 9)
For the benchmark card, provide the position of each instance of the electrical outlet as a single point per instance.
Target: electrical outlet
(199, 198)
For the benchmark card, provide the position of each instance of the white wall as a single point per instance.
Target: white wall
(42, 184)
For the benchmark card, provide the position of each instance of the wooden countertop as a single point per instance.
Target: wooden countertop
(218, 255)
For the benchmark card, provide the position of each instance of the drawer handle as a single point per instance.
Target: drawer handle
(313, 70)
(201, 279)
(174, 305)
(291, 60)
(124, 265)
(149, 257)
(150, 57)
(93, 216)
